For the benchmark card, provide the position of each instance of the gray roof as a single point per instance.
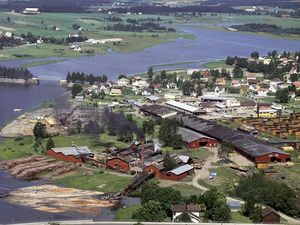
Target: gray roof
(153, 98)
(181, 169)
(76, 151)
(239, 139)
(189, 136)
(182, 106)
(159, 110)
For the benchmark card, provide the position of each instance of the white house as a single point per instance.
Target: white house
(31, 11)
(123, 82)
(191, 71)
(219, 90)
(262, 92)
(235, 83)
(147, 92)
(140, 83)
(193, 210)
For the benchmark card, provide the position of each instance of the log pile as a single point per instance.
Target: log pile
(282, 127)
(31, 167)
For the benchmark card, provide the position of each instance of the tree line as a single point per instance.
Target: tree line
(267, 28)
(148, 26)
(15, 73)
(82, 77)
(156, 204)
(52, 40)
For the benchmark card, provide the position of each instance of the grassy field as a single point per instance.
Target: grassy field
(187, 190)
(21, 147)
(93, 25)
(216, 64)
(224, 181)
(97, 181)
(125, 214)
(237, 217)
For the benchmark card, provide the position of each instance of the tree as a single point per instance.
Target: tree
(238, 72)
(92, 127)
(50, 144)
(199, 90)
(216, 206)
(282, 95)
(151, 211)
(122, 76)
(78, 126)
(150, 73)
(249, 206)
(187, 87)
(225, 149)
(76, 89)
(39, 131)
(255, 55)
(184, 217)
(8, 19)
(148, 127)
(169, 162)
(294, 77)
(256, 216)
(168, 134)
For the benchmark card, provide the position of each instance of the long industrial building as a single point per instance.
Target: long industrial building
(253, 149)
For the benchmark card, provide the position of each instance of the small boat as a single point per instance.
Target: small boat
(18, 110)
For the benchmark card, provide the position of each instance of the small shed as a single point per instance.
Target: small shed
(270, 215)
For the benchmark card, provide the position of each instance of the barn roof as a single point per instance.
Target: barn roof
(183, 106)
(269, 210)
(159, 110)
(239, 139)
(75, 151)
(185, 208)
(181, 169)
(189, 136)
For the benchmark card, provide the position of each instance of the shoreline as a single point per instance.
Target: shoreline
(32, 81)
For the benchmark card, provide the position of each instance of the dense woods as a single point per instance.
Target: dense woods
(148, 26)
(82, 77)
(267, 28)
(15, 73)
(269, 192)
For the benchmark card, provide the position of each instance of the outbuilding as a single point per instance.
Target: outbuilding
(71, 154)
(270, 215)
(194, 139)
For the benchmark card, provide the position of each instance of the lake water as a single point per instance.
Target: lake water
(209, 45)
(24, 97)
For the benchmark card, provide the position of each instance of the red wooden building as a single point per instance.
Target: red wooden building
(269, 215)
(71, 154)
(119, 163)
(194, 139)
(176, 174)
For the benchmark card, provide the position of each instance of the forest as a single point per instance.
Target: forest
(266, 28)
(15, 73)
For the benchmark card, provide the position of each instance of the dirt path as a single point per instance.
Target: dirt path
(204, 173)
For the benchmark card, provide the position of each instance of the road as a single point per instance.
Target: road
(204, 172)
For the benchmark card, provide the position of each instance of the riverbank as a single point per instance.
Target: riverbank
(35, 81)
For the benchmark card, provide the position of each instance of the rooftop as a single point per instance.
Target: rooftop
(181, 169)
(182, 106)
(76, 151)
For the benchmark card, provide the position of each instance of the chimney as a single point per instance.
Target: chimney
(142, 153)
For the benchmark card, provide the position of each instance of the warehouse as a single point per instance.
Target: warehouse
(71, 154)
(176, 174)
(194, 139)
(158, 111)
(185, 108)
(248, 146)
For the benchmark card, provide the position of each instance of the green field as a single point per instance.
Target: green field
(21, 147)
(93, 25)
(216, 64)
(97, 181)
(125, 214)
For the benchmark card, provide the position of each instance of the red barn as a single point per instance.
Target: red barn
(71, 154)
(119, 163)
(195, 140)
(176, 174)
(269, 215)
